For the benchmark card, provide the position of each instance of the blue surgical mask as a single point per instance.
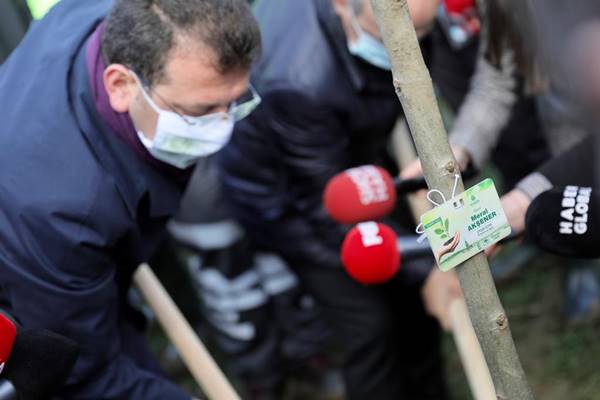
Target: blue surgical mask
(369, 48)
(182, 140)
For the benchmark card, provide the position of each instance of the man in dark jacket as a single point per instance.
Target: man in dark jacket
(100, 118)
(329, 104)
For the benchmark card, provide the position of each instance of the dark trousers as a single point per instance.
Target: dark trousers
(391, 348)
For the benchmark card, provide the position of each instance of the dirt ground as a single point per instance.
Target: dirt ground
(562, 360)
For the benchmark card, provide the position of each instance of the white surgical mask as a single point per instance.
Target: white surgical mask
(368, 47)
(182, 140)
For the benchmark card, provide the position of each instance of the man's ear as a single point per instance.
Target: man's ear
(118, 83)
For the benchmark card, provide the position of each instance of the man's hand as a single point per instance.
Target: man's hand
(515, 204)
(439, 290)
(422, 13)
(414, 169)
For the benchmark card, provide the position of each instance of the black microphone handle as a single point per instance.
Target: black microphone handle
(410, 248)
(40, 363)
(407, 186)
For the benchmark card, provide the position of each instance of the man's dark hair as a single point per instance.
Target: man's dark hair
(140, 34)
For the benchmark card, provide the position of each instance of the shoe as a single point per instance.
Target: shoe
(582, 294)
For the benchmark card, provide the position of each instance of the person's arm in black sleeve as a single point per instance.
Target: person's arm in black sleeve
(312, 146)
(59, 275)
(573, 167)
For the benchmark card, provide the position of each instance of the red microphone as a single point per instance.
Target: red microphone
(370, 253)
(360, 194)
(369, 193)
(8, 333)
(458, 6)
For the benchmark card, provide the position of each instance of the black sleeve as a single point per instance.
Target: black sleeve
(311, 146)
(573, 167)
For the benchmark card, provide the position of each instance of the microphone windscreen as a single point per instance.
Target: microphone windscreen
(564, 221)
(8, 332)
(40, 363)
(360, 194)
(458, 6)
(370, 253)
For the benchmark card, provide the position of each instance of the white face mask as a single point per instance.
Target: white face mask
(182, 140)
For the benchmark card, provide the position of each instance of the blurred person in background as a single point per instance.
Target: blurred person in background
(106, 106)
(583, 48)
(261, 319)
(259, 316)
(328, 104)
(452, 54)
(511, 65)
(15, 18)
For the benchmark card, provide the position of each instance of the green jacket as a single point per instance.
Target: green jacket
(39, 8)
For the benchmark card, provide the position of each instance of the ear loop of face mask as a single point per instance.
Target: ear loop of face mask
(146, 95)
(367, 46)
(357, 28)
(420, 230)
(354, 22)
(147, 142)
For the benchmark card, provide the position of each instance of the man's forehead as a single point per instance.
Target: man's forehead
(192, 79)
(191, 62)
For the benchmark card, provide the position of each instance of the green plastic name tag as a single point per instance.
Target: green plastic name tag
(465, 225)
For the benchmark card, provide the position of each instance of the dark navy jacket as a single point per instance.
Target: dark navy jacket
(323, 111)
(78, 209)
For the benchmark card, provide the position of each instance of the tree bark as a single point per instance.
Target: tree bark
(415, 90)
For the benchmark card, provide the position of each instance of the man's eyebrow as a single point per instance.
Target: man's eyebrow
(196, 107)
